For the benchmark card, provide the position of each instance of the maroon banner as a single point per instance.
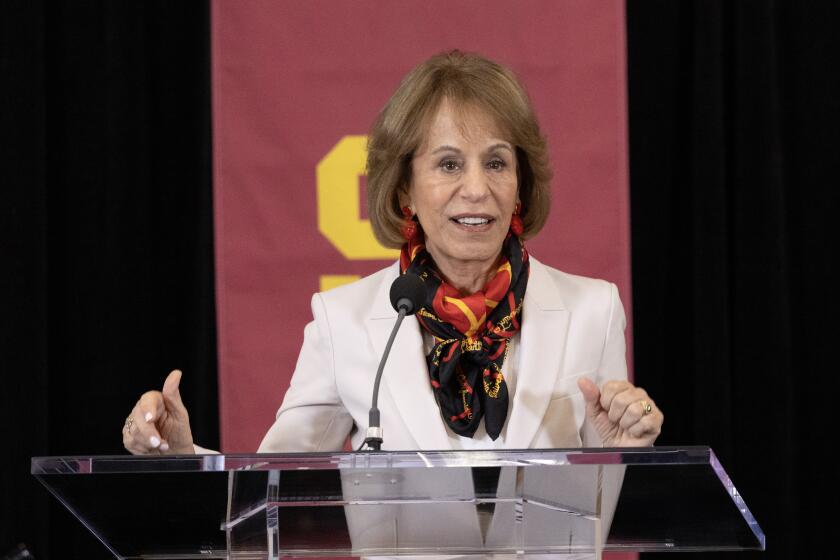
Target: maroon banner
(296, 86)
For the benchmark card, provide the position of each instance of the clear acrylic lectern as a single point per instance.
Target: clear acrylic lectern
(567, 503)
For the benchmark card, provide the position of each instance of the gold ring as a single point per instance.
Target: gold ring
(647, 408)
(129, 422)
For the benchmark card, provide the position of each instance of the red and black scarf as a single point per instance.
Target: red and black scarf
(471, 335)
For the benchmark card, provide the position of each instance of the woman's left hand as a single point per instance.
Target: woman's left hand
(623, 414)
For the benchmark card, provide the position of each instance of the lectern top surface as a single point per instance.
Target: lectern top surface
(366, 460)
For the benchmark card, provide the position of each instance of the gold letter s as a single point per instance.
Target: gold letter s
(338, 202)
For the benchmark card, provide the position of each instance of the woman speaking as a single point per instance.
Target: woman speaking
(505, 352)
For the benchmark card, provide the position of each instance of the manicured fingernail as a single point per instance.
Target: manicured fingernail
(148, 417)
(155, 441)
(164, 446)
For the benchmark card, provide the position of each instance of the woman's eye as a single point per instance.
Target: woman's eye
(449, 165)
(496, 165)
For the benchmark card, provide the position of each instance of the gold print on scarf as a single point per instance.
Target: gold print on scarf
(470, 344)
(506, 322)
(465, 390)
(439, 349)
(423, 313)
(493, 392)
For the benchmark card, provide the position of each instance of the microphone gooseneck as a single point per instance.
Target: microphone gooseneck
(407, 295)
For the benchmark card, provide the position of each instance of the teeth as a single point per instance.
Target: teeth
(473, 221)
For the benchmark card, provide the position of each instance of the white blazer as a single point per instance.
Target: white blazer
(571, 326)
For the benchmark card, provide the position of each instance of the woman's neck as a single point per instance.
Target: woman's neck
(467, 277)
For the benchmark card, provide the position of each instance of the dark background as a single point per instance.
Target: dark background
(107, 243)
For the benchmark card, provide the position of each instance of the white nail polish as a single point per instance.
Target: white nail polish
(154, 441)
(164, 446)
(148, 417)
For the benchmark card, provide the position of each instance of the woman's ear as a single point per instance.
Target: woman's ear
(403, 197)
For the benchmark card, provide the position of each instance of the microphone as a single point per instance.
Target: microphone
(408, 292)
(407, 296)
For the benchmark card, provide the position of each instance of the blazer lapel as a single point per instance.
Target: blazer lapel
(405, 376)
(545, 323)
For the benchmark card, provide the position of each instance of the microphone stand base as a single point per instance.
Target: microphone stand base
(372, 444)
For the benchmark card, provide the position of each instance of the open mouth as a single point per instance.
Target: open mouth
(472, 221)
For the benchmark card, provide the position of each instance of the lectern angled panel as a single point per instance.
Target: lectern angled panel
(528, 502)
(147, 507)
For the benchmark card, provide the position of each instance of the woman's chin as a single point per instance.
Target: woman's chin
(475, 252)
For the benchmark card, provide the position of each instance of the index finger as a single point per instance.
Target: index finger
(611, 389)
(140, 436)
(151, 406)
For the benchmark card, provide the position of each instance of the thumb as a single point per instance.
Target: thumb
(591, 394)
(171, 394)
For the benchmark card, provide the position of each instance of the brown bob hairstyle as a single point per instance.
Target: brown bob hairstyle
(468, 81)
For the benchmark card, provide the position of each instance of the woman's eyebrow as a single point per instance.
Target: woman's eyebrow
(501, 145)
(446, 148)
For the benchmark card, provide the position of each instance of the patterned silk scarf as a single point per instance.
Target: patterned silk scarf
(471, 335)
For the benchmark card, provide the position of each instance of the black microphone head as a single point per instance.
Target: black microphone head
(408, 292)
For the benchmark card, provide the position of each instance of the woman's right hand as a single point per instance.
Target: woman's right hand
(159, 423)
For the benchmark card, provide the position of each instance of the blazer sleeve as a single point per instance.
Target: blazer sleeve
(312, 416)
(613, 364)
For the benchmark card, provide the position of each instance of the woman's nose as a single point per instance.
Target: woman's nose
(474, 186)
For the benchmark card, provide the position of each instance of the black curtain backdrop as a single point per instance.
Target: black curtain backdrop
(107, 253)
(107, 258)
(734, 166)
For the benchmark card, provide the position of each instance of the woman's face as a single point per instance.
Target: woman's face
(463, 188)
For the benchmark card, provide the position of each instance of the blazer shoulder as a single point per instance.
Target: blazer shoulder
(357, 298)
(574, 290)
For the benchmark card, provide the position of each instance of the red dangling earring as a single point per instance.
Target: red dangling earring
(409, 227)
(516, 225)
